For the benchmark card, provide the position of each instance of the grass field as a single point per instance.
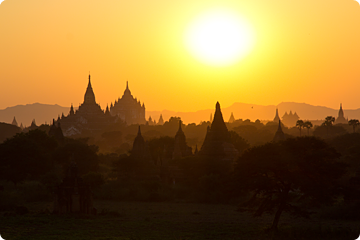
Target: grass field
(170, 220)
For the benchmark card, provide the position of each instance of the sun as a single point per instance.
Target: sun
(219, 37)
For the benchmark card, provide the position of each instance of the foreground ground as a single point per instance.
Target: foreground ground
(178, 221)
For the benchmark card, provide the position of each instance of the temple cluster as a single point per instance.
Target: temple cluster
(90, 118)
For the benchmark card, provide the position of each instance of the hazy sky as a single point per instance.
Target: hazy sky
(304, 51)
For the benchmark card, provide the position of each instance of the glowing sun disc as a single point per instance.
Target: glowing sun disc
(1, 1)
(219, 37)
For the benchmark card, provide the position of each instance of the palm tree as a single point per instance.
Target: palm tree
(329, 120)
(308, 125)
(354, 123)
(300, 124)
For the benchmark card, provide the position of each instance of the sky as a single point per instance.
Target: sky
(303, 51)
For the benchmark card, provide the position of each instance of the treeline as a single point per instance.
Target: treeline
(118, 137)
(293, 176)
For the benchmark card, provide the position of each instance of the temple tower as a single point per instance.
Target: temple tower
(89, 97)
(279, 135)
(341, 118)
(139, 144)
(232, 118)
(276, 118)
(71, 113)
(161, 120)
(14, 122)
(180, 147)
(89, 117)
(128, 108)
(217, 143)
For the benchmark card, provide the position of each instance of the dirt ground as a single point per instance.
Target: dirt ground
(169, 220)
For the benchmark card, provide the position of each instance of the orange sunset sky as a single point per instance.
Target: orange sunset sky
(303, 51)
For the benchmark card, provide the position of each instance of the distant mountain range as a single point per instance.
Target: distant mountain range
(25, 114)
(253, 112)
(44, 113)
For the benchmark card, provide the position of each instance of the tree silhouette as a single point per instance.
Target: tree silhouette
(26, 156)
(308, 125)
(354, 123)
(281, 175)
(300, 124)
(82, 154)
(239, 143)
(329, 120)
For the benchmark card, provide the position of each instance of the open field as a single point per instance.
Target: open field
(178, 221)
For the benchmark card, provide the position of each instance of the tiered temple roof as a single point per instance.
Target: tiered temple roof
(128, 108)
(290, 119)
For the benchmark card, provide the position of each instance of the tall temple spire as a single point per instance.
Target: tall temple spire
(139, 131)
(341, 111)
(89, 84)
(217, 143)
(161, 120)
(14, 122)
(72, 112)
(107, 111)
(180, 147)
(218, 123)
(139, 144)
(89, 94)
(276, 118)
(127, 91)
(217, 107)
(232, 118)
(341, 118)
(279, 135)
(279, 127)
(180, 130)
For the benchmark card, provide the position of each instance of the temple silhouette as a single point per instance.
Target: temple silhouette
(341, 119)
(181, 149)
(217, 142)
(288, 119)
(89, 118)
(232, 118)
(279, 135)
(128, 108)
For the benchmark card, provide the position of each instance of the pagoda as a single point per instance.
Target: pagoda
(217, 143)
(341, 118)
(180, 148)
(279, 135)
